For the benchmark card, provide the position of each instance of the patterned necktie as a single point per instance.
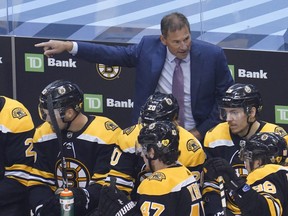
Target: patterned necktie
(178, 89)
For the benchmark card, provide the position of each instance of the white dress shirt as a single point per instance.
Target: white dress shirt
(165, 85)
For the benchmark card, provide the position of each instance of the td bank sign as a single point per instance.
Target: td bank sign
(95, 102)
(35, 62)
(281, 114)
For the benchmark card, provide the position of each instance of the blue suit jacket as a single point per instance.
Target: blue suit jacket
(210, 75)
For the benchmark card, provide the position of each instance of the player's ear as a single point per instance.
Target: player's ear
(163, 40)
(257, 163)
(252, 113)
(253, 110)
(151, 153)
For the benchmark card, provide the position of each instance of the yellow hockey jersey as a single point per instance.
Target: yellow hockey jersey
(128, 168)
(170, 191)
(16, 157)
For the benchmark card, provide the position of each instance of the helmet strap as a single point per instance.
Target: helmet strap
(69, 122)
(151, 159)
(150, 164)
(249, 126)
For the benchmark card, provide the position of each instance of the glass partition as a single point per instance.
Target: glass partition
(4, 29)
(241, 24)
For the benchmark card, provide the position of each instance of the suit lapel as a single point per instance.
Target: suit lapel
(158, 60)
(196, 66)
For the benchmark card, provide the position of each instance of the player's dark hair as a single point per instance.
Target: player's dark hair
(173, 22)
(163, 137)
(168, 158)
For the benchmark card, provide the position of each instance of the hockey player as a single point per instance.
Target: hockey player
(16, 157)
(128, 168)
(87, 145)
(265, 190)
(239, 108)
(170, 190)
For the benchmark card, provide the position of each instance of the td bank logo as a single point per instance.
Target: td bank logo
(34, 62)
(231, 68)
(281, 114)
(93, 103)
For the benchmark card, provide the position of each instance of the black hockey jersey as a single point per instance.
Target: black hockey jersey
(219, 142)
(271, 183)
(87, 153)
(16, 157)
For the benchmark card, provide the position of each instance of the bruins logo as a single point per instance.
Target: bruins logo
(77, 173)
(129, 130)
(247, 89)
(110, 126)
(169, 101)
(61, 90)
(108, 72)
(280, 131)
(158, 176)
(18, 112)
(192, 145)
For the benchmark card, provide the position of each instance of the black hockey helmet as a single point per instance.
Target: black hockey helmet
(159, 107)
(64, 94)
(243, 96)
(163, 137)
(269, 147)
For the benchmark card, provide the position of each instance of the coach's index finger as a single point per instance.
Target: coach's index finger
(42, 44)
(47, 47)
(52, 47)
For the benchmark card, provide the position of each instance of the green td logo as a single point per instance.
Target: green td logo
(34, 62)
(281, 114)
(93, 103)
(231, 68)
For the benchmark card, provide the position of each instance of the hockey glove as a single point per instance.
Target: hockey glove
(81, 200)
(216, 167)
(94, 212)
(50, 208)
(221, 213)
(115, 202)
